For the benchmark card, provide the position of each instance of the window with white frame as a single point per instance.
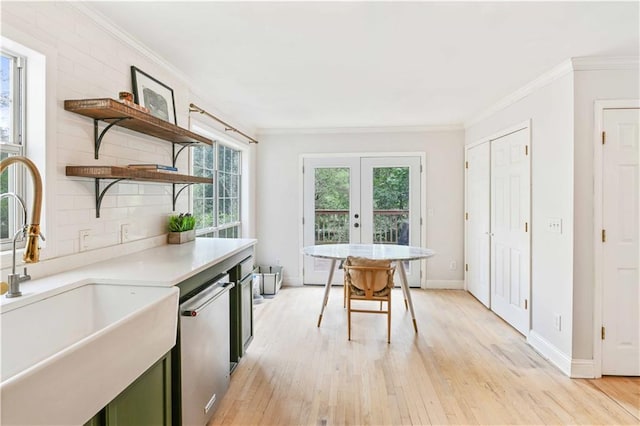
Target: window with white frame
(12, 142)
(228, 195)
(204, 194)
(217, 206)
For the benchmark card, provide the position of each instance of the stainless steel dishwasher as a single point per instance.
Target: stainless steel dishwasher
(204, 351)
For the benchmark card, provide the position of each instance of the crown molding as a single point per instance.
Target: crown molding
(586, 63)
(127, 38)
(555, 73)
(589, 63)
(353, 130)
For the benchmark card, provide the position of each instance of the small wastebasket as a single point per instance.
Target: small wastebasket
(270, 279)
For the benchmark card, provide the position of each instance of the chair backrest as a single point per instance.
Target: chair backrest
(370, 276)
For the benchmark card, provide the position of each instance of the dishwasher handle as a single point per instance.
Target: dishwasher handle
(220, 288)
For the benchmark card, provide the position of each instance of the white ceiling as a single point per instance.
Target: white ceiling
(370, 64)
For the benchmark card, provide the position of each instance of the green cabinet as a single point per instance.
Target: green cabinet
(146, 402)
(241, 309)
(246, 312)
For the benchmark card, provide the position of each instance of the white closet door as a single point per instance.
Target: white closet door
(620, 211)
(510, 249)
(478, 243)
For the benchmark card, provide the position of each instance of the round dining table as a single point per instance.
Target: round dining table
(394, 253)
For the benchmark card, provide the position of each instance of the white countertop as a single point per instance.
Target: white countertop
(163, 266)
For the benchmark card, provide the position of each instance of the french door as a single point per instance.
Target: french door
(352, 200)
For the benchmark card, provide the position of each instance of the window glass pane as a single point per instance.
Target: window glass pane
(228, 188)
(4, 204)
(203, 194)
(6, 99)
(235, 164)
(208, 191)
(198, 191)
(332, 205)
(391, 205)
(232, 232)
(209, 160)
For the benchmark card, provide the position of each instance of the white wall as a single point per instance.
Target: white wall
(85, 60)
(550, 109)
(278, 196)
(562, 116)
(589, 86)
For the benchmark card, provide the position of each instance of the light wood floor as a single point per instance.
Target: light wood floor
(465, 366)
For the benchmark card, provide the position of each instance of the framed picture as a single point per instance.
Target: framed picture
(152, 94)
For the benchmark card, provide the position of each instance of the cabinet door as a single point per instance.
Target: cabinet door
(246, 311)
(147, 401)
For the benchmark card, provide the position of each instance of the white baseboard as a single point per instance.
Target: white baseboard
(583, 369)
(550, 352)
(445, 284)
(574, 368)
(289, 281)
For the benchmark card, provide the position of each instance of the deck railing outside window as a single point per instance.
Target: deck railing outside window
(390, 227)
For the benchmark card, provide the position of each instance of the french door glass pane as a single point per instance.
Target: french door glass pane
(391, 205)
(332, 205)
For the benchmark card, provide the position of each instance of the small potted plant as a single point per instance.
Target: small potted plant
(181, 228)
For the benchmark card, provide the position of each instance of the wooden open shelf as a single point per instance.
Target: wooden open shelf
(118, 174)
(126, 173)
(123, 115)
(116, 113)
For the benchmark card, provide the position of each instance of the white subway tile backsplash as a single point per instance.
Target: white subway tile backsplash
(64, 247)
(125, 188)
(64, 203)
(91, 63)
(65, 65)
(71, 217)
(114, 213)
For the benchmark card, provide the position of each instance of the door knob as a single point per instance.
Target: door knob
(356, 225)
(356, 215)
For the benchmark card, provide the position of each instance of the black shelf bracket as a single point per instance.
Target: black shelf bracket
(175, 154)
(97, 135)
(100, 194)
(177, 194)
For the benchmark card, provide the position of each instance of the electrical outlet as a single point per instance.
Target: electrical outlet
(453, 265)
(124, 233)
(85, 235)
(557, 320)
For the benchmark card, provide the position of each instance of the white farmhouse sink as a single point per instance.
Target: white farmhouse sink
(65, 357)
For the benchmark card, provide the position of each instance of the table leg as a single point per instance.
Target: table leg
(407, 293)
(404, 290)
(327, 288)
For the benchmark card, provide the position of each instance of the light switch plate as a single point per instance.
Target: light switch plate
(85, 235)
(554, 225)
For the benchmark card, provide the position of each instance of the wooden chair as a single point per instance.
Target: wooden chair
(370, 280)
